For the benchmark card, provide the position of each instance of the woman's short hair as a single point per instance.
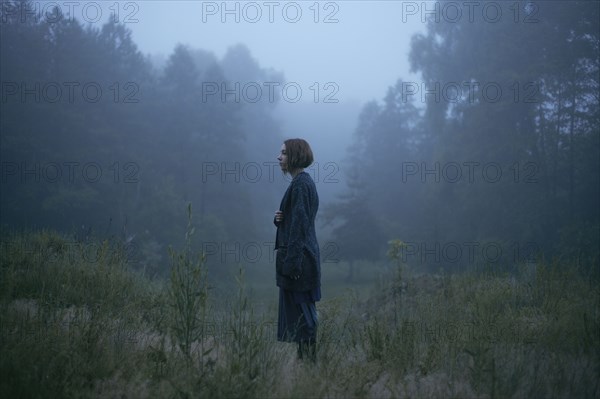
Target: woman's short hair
(299, 154)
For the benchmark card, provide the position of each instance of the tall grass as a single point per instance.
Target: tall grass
(188, 292)
(75, 321)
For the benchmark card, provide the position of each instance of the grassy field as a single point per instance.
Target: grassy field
(76, 321)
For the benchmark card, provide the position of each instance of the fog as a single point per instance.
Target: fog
(457, 165)
(338, 42)
(468, 131)
(357, 48)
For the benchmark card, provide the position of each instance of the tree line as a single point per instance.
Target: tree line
(493, 156)
(97, 140)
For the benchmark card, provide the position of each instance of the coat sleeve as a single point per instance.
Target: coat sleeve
(299, 225)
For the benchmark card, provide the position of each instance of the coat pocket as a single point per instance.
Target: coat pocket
(288, 268)
(279, 260)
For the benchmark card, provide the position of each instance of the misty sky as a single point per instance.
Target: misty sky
(364, 52)
(361, 46)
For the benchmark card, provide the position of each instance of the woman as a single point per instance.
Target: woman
(298, 267)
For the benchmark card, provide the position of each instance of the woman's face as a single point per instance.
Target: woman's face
(282, 158)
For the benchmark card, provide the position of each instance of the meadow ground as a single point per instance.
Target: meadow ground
(76, 321)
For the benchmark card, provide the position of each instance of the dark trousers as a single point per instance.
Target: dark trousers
(297, 322)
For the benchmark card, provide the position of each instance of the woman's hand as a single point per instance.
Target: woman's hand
(279, 216)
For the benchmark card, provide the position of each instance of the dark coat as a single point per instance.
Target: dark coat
(296, 240)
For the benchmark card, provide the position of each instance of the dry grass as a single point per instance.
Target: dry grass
(78, 326)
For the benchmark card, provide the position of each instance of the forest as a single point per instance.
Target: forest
(488, 165)
(489, 158)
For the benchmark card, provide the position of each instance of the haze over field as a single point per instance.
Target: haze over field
(457, 162)
(429, 123)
